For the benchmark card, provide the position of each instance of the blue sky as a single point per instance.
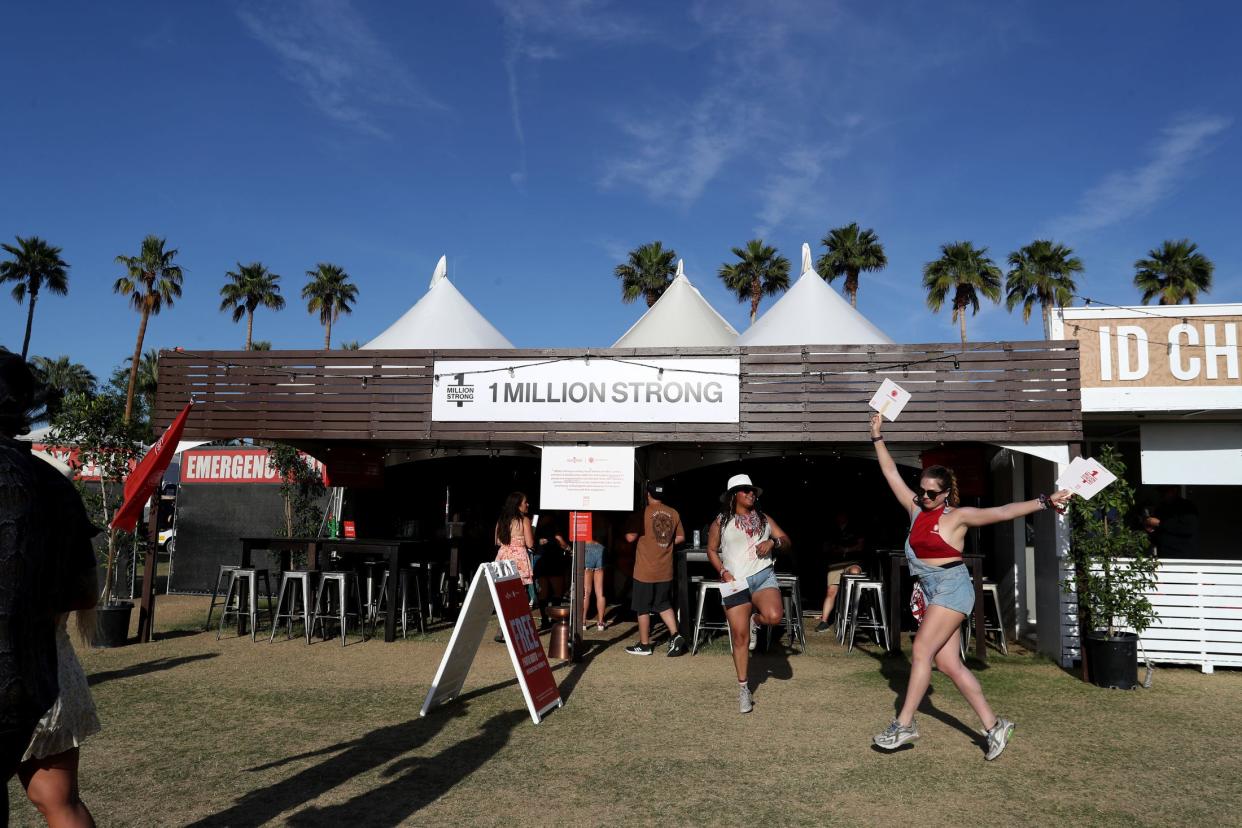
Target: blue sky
(534, 143)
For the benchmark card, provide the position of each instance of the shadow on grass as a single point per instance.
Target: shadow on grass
(895, 667)
(145, 667)
(414, 781)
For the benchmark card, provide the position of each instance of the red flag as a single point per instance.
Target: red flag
(146, 475)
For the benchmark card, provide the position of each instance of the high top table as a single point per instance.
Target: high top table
(390, 548)
(896, 562)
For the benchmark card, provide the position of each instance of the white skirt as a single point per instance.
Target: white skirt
(72, 716)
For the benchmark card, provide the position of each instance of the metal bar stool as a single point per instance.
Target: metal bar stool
(245, 603)
(875, 590)
(296, 584)
(990, 590)
(403, 592)
(791, 598)
(225, 579)
(845, 596)
(341, 583)
(713, 626)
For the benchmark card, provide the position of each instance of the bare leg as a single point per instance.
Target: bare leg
(600, 604)
(939, 625)
(949, 660)
(768, 607)
(739, 631)
(829, 602)
(52, 785)
(644, 629)
(669, 617)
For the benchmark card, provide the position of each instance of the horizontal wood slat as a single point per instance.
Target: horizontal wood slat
(982, 391)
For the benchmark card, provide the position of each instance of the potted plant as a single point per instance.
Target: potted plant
(106, 446)
(1114, 570)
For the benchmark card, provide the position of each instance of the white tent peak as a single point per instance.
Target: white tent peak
(681, 317)
(443, 318)
(812, 313)
(440, 272)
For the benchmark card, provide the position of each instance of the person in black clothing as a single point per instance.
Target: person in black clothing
(1174, 525)
(843, 548)
(43, 572)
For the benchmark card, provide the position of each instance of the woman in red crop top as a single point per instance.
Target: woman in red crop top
(934, 553)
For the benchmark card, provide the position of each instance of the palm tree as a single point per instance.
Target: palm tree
(147, 382)
(1173, 272)
(329, 293)
(34, 266)
(760, 271)
(648, 271)
(352, 345)
(965, 271)
(261, 345)
(151, 281)
(850, 252)
(62, 378)
(249, 287)
(1041, 273)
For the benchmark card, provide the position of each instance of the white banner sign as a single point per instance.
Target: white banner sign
(599, 390)
(587, 478)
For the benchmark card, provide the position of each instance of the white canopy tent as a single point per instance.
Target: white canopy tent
(812, 312)
(443, 318)
(681, 317)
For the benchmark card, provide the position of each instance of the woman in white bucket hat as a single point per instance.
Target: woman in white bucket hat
(741, 544)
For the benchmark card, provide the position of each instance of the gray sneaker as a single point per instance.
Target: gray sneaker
(754, 635)
(896, 735)
(998, 738)
(745, 703)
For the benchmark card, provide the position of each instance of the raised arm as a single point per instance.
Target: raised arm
(900, 490)
(971, 517)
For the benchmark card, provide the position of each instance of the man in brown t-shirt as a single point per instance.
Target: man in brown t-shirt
(653, 571)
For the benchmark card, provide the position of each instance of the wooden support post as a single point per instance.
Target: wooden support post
(146, 609)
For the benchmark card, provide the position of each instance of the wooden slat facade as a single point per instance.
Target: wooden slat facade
(989, 391)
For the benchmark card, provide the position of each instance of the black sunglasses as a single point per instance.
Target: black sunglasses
(930, 493)
(745, 490)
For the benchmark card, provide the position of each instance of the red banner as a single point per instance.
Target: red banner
(531, 661)
(580, 526)
(143, 480)
(248, 465)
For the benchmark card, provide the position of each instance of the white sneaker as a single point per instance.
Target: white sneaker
(754, 634)
(998, 738)
(745, 703)
(896, 735)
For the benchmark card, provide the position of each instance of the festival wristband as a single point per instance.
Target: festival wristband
(877, 439)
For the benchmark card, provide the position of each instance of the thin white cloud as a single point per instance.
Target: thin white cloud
(1129, 193)
(530, 26)
(346, 71)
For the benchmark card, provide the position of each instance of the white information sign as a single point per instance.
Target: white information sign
(587, 478)
(596, 390)
(1085, 477)
(500, 583)
(890, 399)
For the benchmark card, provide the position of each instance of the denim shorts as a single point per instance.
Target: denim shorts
(950, 588)
(594, 555)
(763, 579)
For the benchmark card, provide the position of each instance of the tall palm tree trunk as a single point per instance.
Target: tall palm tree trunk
(961, 318)
(249, 328)
(133, 368)
(851, 287)
(755, 293)
(34, 297)
(327, 334)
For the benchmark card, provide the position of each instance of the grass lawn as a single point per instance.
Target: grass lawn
(200, 732)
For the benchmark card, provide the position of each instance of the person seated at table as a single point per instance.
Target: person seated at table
(934, 553)
(593, 579)
(843, 548)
